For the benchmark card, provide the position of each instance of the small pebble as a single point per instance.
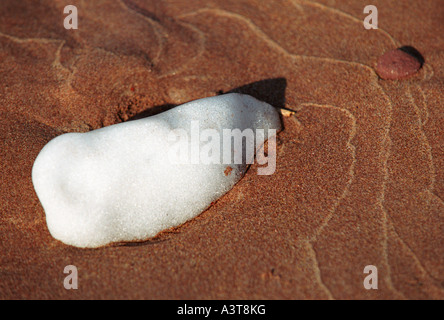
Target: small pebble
(397, 64)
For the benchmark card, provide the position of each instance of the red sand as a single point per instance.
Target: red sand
(360, 169)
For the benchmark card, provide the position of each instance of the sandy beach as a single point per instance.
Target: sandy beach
(360, 167)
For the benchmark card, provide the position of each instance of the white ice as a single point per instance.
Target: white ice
(118, 183)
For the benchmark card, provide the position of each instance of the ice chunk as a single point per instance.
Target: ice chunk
(125, 183)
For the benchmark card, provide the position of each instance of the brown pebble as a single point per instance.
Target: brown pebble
(228, 171)
(397, 64)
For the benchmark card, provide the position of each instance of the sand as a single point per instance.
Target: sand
(360, 167)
